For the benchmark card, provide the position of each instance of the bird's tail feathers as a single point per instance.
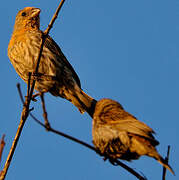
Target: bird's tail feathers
(87, 102)
(81, 100)
(164, 163)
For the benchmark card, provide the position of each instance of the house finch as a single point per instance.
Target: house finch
(55, 73)
(118, 134)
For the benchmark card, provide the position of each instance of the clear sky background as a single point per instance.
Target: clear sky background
(126, 51)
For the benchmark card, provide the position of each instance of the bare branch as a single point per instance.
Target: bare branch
(166, 159)
(28, 84)
(2, 144)
(54, 17)
(47, 124)
(50, 129)
(90, 147)
(25, 111)
(24, 116)
(44, 36)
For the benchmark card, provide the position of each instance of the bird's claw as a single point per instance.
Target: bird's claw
(36, 76)
(33, 99)
(112, 161)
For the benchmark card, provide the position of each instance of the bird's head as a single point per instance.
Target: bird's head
(27, 18)
(106, 107)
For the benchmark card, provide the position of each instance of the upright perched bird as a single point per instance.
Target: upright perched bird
(55, 74)
(118, 134)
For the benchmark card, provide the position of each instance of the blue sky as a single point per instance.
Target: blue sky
(126, 51)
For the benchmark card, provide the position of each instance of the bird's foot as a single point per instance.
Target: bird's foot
(112, 161)
(34, 96)
(36, 76)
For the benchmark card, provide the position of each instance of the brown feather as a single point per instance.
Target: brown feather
(120, 135)
(55, 73)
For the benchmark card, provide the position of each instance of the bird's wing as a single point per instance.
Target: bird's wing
(52, 46)
(123, 121)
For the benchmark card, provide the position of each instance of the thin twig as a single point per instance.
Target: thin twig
(130, 170)
(90, 147)
(25, 111)
(44, 36)
(47, 124)
(166, 159)
(54, 17)
(24, 116)
(2, 144)
(28, 85)
(50, 129)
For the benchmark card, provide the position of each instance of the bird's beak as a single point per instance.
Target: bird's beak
(35, 12)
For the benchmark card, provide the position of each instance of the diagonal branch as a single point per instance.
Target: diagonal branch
(47, 124)
(44, 36)
(25, 111)
(130, 170)
(54, 17)
(50, 129)
(2, 144)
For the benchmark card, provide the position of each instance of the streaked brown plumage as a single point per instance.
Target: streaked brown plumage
(120, 135)
(56, 75)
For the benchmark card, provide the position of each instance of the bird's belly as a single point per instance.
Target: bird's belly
(113, 143)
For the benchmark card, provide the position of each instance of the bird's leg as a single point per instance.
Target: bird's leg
(111, 160)
(47, 124)
(35, 95)
(32, 76)
(107, 157)
(28, 88)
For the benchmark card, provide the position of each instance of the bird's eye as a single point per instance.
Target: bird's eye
(23, 14)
